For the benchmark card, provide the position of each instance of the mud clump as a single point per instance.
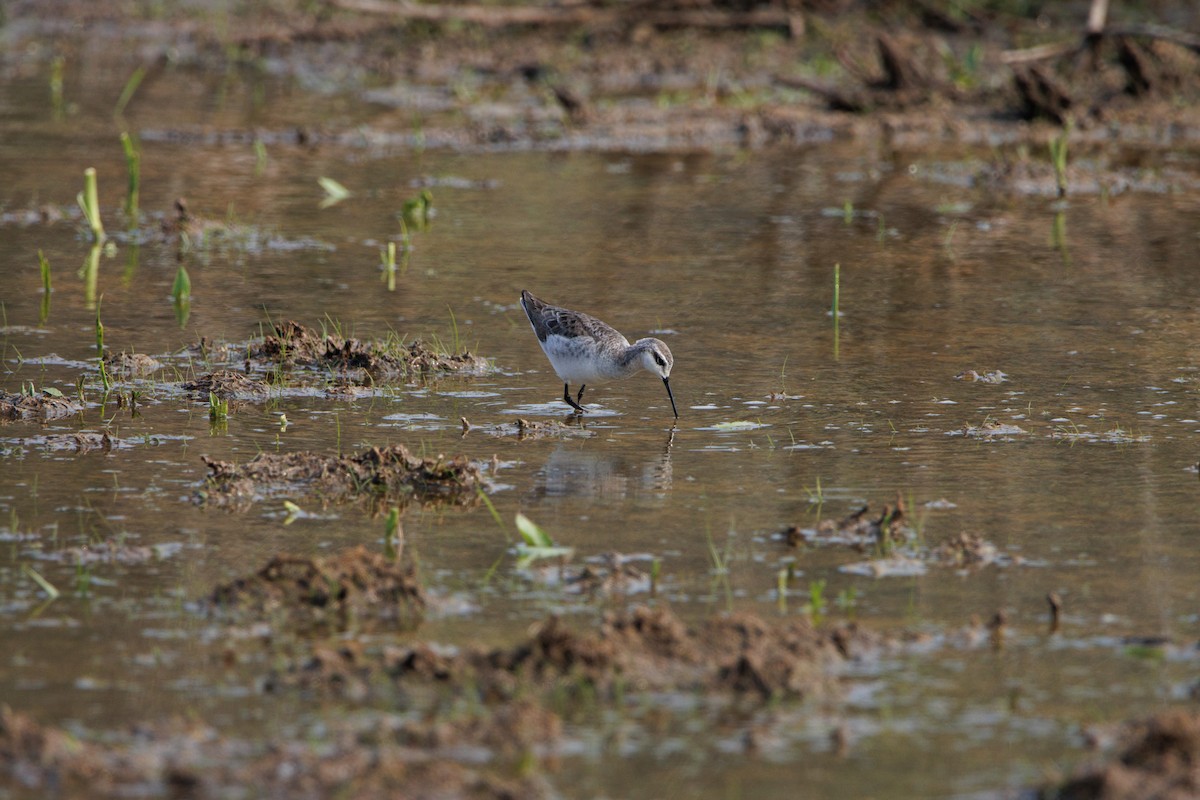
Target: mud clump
(530, 430)
(193, 760)
(966, 550)
(648, 650)
(131, 364)
(41, 406)
(894, 547)
(293, 345)
(228, 385)
(388, 472)
(1160, 760)
(354, 585)
(859, 529)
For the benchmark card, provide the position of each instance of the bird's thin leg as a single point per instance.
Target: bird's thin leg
(579, 397)
(569, 400)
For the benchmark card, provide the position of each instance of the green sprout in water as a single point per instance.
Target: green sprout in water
(816, 600)
(133, 161)
(44, 266)
(45, 585)
(182, 288)
(782, 578)
(418, 211)
(1058, 157)
(293, 511)
(387, 259)
(334, 192)
(536, 543)
(393, 536)
(837, 292)
(100, 337)
(218, 409)
(181, 296)
(89, 203)
(847, 601)
(56, 87)
(131, 87)
(260, 157)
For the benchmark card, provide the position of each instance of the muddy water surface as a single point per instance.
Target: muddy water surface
(1076, 465)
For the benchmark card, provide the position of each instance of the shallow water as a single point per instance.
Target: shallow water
(1089, 308)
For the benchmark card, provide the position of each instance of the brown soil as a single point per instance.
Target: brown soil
(130, 364)
(386, 473)
(508, 698)
(644, 649)
(82, 442)
(228, 385)
(355, 585)
(705, 74)
(293, 345)
(860, 529)
(192, 760)
(1158, 760)
(37, 406)
(614, 575)
(966, 550)
(895, 546)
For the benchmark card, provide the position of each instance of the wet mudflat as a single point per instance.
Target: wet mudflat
(277, 531)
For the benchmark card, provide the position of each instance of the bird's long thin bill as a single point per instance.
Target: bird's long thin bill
(667, 384)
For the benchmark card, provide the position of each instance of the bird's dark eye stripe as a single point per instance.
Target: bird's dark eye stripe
(659, 360)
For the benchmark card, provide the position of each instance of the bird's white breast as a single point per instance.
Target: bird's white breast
(579, 359)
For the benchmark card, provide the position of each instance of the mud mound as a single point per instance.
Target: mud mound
(646, 649)
(192, 760)
(391, 472)
(35, 406)
(353, 585)
(228, 385)
(1160, 761)
(293, 345)
(859, 529)
(131, 364)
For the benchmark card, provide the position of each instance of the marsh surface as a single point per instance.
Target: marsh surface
(1021, 371)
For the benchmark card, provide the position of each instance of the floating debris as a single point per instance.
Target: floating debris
(995, 376)
(524, 429)
(1114, 436)
(897, 565)
(989, 430)
(387, 472)
(112, 551)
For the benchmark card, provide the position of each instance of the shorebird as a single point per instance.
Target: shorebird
(584, 350)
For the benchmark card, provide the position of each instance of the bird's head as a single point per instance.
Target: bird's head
(656, 357)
